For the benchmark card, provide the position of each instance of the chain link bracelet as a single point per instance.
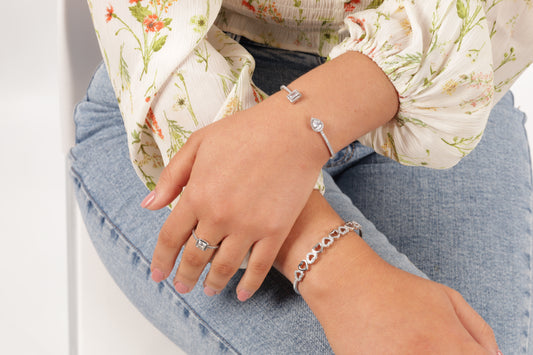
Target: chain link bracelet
(326, 242)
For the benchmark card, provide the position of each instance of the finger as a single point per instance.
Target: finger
(174, 176)
(225, 264)
(262, 257)
(193, 260)
(473, 322)
(174, 233)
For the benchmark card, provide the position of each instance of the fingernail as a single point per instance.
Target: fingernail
(157, 275)
(243, 295)
(209, 291)
(181, 288)
(148, 199)
(499, 352)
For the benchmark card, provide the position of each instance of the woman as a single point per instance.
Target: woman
(413, 80)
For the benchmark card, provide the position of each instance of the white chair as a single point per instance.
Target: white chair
(101, 319)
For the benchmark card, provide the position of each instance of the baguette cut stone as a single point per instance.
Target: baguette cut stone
(201, 244)
(294, 96)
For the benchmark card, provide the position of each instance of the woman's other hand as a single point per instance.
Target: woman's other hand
(367, 306)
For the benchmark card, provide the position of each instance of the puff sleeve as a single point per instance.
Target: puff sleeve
(438, 55)
(173, 72)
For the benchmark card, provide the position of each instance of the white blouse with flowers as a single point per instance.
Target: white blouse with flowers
(174, 70)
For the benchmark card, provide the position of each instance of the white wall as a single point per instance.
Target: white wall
(33, 290)
(523, 93)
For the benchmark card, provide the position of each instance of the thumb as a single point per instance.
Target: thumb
(174, 176)
(473, 322)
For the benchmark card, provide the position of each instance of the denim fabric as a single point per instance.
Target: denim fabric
(468, 227)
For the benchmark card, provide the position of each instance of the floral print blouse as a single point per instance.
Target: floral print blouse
(174, 70)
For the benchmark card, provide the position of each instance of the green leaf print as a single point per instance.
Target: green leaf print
(464, 145)
(461, 10)
(159, 43)
(469, 21)
(149, 35)
(139, 12)
(178, 136)
(375, 4)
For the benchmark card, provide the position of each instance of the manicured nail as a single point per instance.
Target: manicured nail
(181, 288)
(499, 352)
(209, 291)
(157, 275)
(148, 199)
(244, 295)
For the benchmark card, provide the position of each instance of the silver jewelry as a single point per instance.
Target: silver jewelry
(202, 244)
(318, 126)
(326, 242)
(294, 95)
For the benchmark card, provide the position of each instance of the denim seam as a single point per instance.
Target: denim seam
(347, 156)
(530, 306)
(530, 303)
(125, 240)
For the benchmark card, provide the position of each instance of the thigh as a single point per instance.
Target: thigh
(274, 321)
(468, 227)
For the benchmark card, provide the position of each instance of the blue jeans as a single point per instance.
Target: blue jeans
(468, 227)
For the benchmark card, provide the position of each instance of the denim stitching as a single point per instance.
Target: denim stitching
(142, 257)
(347, 156)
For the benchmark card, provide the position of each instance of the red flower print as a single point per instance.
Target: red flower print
(256, 97)
(110, 13)
(152, 24)
(357, 21)
(134, 1)
(152, 123)
(248, 5)
(350, 6)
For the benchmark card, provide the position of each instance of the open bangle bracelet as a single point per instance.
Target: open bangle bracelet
(316, 124)
(326, 242)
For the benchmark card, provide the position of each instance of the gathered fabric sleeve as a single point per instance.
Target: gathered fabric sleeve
(438, 55)
(173, 72)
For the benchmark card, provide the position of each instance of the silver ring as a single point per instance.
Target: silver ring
(202, 244)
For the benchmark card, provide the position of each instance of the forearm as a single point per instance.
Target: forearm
(360, 300)
(341, 267)
(350, 94)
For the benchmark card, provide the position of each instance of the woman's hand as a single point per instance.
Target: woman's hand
(367, 306)
(247, 178)
(396, 312)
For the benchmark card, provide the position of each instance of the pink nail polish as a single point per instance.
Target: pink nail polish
(181, 288)
(157, 275)
(209, 291)
(244, 295)
(148, 199)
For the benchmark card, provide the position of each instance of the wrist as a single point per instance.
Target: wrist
(346, 265)
(350, 94)
(292, 123)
